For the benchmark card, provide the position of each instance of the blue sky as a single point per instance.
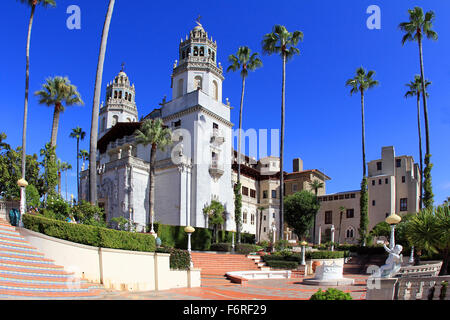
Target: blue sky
(322, 121)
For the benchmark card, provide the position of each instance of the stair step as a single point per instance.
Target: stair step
(29, 265)
(32, 271)
(15, 257)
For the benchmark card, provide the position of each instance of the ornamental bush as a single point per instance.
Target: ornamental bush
(225, 247)
(331, 294)
(245, 248)
(90, 235)
(281, 264)
(324, 255)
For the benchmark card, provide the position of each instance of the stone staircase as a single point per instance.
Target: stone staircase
(215, 265)
(25, 273)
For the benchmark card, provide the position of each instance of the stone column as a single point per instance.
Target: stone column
(320, 235)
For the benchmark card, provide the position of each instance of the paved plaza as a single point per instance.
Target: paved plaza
(274, 289)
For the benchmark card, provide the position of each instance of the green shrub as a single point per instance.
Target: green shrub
(331, 294)
(179, 259)
(281, 264)
(281, 245)
(58, 206)
(90, 235)
(245, 248)
(86, 213)
(32, 196)
(324, 255)
(226, 247)
(247, 238)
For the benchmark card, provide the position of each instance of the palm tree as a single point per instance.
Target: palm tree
(79, 134)
(214, 213)
(83, 154)
(430, 230)
(342, 209)
(32, 4)
(65, 167)
(419, 26)
(56, 92)
(281, 41)
(362, 82)
(242, 61)
(315, 185)
(154, 133)
(96, 107)
(415, 89)
(260, 209)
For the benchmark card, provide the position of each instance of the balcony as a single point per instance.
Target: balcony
(216, 169)
(217, 137)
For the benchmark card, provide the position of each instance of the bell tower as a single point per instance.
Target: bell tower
(120, 103)
(197, 66)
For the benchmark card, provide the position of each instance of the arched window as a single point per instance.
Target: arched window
(215, 90)
(180, 88)
(126, 95)
(115, 120)
(244, 217)
(198, 83)
(115, 94)
(252, 219)
(213, 56)
(129, 119)
(350, 233)
(202, 51)
(209, 52)
(195, 51)
(129, 97)
(120, 94)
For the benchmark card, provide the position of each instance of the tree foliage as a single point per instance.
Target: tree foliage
(215, 214)
(300, 210)
(364, 209)
(238, 209)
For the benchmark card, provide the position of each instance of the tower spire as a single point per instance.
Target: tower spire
(123, 67)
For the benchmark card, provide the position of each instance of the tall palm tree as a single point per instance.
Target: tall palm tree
(64, 168)
(342, 209)
(154, 133)
(243, 61)
(96, 107)
(83, 154)
(33, 4)
(281, 41)
(315, 185)
(79, 134)
(415, 89)
(56, 92)
(418, 27)
(362, 82)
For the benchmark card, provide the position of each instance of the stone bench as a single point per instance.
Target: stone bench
(425, 270)
(243, 276)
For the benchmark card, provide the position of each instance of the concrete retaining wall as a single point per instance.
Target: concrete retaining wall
(115, 269)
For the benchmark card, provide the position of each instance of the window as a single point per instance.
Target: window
(252, 219)
(120, 94)
(350, 233)
(350, 213)
(324, 199)
(129, 97)
(177, 124)
(379, 181)
(373, 182)
(387, 215)
(252, 193)
(352, 196)
(215, 125)
(330, 198)
(126, 95)
(115, 94)
(274, 194)
(294, 187)
(341, 197)
(328, 217)
(373, 202)
(198, 83)
(404, 204)
(379, 165)
(398, 163)
(403, 179)
(202, 51)
(215, 90)
(195, 51)
(115, 120)
(265, 194)
(264, 217)
(245, 191)
(347, 196)
(336, 198)
(386, 181)
(264, 229)
(244, 217)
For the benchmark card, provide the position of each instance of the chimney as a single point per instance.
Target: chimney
(298, 165)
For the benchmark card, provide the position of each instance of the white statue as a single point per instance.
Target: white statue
(393, 262)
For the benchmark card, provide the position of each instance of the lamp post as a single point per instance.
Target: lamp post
(393, 220)
(189, 230)
(332, 237)
(303, 244)
(274, 230)
(22, 183)
(152, 231)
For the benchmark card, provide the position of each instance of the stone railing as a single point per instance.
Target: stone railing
(423, 288)
(425, 270)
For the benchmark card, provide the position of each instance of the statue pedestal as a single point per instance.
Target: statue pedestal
(329, 275)
(381, 288)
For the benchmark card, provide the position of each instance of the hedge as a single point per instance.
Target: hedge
(331, 294)
(245, 248)
(280, 264)
(324, 255)
(90, 235)
(225, 247)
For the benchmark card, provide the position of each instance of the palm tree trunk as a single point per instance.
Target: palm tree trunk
(363, 134)
(55, 125)
(420, 152)
(428, 194)
(78, 169)
(96, 106)
(67, 198)
(260, 224)
(340, 227)
(314, 225)
(27, 88)
(59, 183)
(151, 195)
(238, 226)
(283, 92)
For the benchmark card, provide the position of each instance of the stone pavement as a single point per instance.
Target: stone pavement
(274, 289)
